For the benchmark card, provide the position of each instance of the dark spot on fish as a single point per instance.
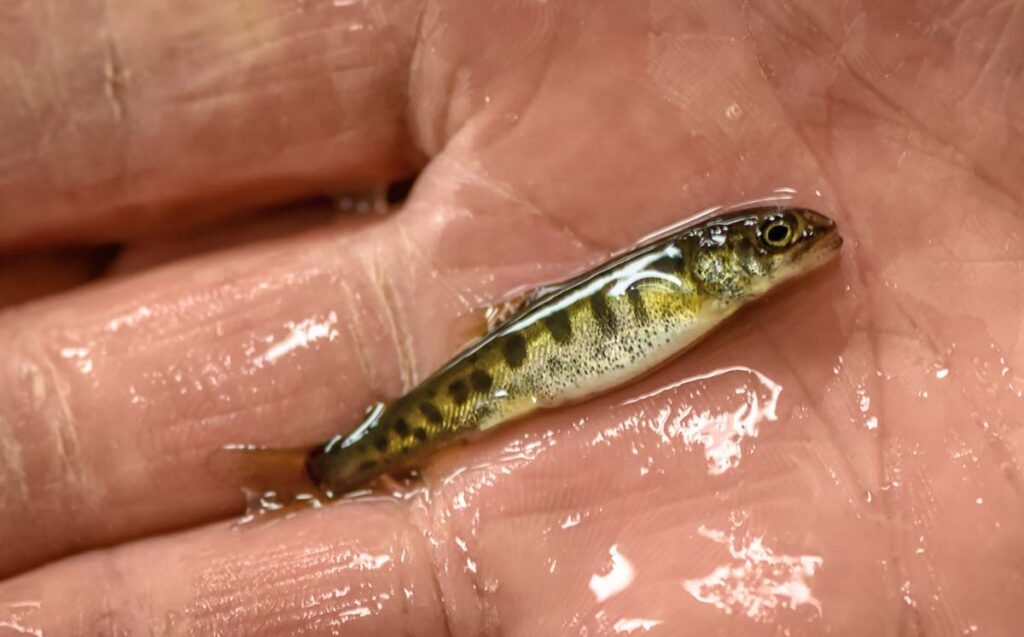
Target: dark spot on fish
(381, 442)
(313, 464)
(402, 427)
(459, 392)
(602, 313)
(481, 381)
(432, 413)
(636, 301)
(559, 326)
(668, 265)
(513, 348)
(420, 434)
(366, 465)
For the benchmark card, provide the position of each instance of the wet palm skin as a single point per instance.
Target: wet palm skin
(843, 459)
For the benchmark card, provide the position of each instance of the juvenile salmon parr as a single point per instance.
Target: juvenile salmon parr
(589, 334)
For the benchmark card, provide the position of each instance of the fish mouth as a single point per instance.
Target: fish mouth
(826, 246)
(831, 242)
(820, 248)
(822, 238)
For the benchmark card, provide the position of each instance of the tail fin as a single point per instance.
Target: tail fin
(263, 470)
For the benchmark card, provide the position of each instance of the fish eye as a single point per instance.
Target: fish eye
(777, 233)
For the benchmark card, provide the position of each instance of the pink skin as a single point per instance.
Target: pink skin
(874, 488)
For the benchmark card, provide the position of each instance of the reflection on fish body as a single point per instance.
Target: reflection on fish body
(592, 333)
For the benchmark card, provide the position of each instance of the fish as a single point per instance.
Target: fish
(579, 338)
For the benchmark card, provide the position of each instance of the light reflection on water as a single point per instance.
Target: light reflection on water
(754, 581)
(620, 573)
(16, 618)
(716, 419)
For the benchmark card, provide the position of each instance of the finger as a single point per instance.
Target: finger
(589, 517)
(275, 224)
(361, 568)
(114, 391)
(123, 116)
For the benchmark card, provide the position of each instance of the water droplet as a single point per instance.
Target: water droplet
(717, 421)
(619, 576)
(756, 581)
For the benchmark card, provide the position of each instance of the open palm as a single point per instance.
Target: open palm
(844, 458)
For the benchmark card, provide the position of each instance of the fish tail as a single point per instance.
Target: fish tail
(257, 469)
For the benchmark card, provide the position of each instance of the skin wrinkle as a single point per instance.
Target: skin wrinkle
(901, 573)
(411, 247)
(409, 111)
(892, 104)
(1014, 8)
(358, 341)
(79, 500)
(254, 84)
(12, 472)
(390, 308)
(815, 407)
(113, 49)
(540, 81)
(838, 193)
(810, 147)
(422, 531)
(983, 174)
(891, 449)
(257, 79)
(403, 579)
(794, 121)
(116, 74)
(782, 31)
(429, 138)
(112, 619)
(429, 526)
(525, 205)
(12, 476)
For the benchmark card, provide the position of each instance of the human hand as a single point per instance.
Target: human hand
(844, 458)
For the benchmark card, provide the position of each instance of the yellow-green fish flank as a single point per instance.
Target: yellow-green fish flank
(587, 335)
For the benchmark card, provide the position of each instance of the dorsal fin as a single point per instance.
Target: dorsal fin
(504, 312)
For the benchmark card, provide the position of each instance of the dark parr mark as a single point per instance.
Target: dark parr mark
(420, 434)
(668, 265)
(401, 427)
(636, 301)
(381, 442)
(366, 465)
(559, 326)
(313, 462)
(513, 348)
(432, 413)
(602, 313)
(481, 381)
(459, 392)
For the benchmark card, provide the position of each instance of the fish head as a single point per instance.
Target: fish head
(747, 253)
